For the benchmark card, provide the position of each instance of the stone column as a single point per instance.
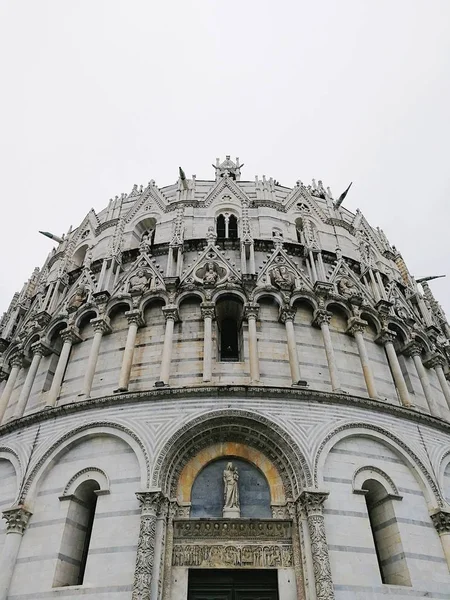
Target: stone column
(160, 546)
(167, 581)
(171, 315)
(296, 550)
(414, 350)
(441, 521)
(70, 337)
(322, 319)
(387, 338)
(16, 522)
(207, 309)
(145, 559)
(251, 313)
(287, 317)
(435, 362)
(134, 320)
(38, 349)
(357, 327)
(101, 326)
(16, 363)
(312, 503)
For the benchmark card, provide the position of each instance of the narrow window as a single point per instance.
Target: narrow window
(232, 228)
(72, 558)
(229, 340)
(221, 227)
(386, 535)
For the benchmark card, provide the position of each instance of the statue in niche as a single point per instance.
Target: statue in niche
(146, 242)
(78, 299)
(282, 277)
(347, 288)
(211, 276)
(211, 236)
(399, 308)
(88, 258)
(231, 506)
(139, 282)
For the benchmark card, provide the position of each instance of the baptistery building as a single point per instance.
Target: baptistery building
(225, 389)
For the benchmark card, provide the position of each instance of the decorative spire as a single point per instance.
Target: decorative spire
(228, 168)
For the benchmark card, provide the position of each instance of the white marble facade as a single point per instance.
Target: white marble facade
(224, 319)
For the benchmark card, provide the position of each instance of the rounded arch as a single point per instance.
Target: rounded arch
(443, 462)
(142, 225)
(370, 472)
(10, 351)
(261, 294)
(198, 294)
(339, 306)
(347, 430)
(54, 328)
(89, 473)
(232, 425)
(369, 315)
(155, 296)
(31, 339)
(85, 315)
(12, 457)
(403, 334)
(304, 297)
(235, 449)
(80, 254)
(116, 304)
(73, 437)
(239, 295)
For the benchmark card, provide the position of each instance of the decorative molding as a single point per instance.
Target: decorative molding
(383, 433)
(16, 519)
(85, 471)
(74, 432)
(441, 521)
(233, 555)
(231, 529)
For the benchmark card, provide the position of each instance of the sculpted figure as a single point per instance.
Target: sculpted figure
(88, 258)
(77, 299)
(139, 282)
(211, 275)
(230, 487)
(211, 235)
(347, 288)
(145, 244)
(283, 278)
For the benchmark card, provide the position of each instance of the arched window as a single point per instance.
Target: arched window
(227, 227)
(73, 554)
(233, 228)
(386, 535)
(221, 227)
(229, 318)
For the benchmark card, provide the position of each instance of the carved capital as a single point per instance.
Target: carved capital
(412, 349)
(384, 308)
(287, 314)
(170, 312)
(312, 501)
(101, 324)
(151, 502)
(16, 359)
(251, 310)
(40, 348)
(386, 336)
(321, 316)
(433, 361)
(135, 316)
(208, 310)
(441, 521)
(323, 288)
(70, 334)
(356, 325)
(16, 519)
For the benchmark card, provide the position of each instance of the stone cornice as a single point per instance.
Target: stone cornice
(223, 391)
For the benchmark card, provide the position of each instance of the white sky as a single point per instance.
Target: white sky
(98, 95)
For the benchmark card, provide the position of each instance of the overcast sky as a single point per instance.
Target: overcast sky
(98, 95)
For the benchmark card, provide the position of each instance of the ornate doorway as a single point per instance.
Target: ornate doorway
(223, 584)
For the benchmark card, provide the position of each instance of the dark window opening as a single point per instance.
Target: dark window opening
(229, 340)
(232, 228)
(221, 227)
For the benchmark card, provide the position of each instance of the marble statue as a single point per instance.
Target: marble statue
(211, 275)
(230, 487)
(139, 281)
(79, 298)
